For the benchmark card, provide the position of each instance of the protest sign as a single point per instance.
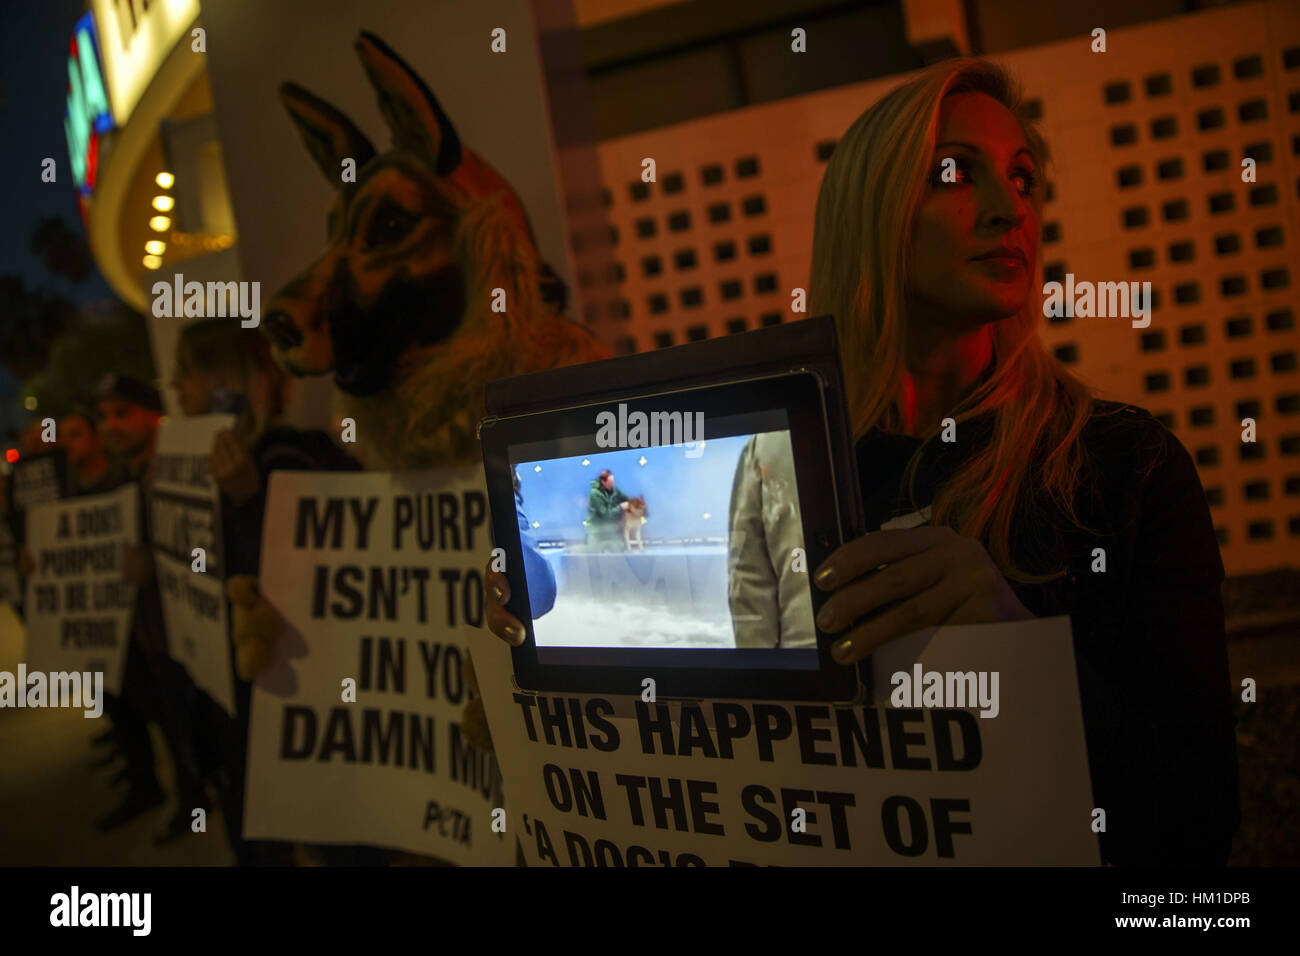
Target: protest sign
(38, 478)
(10, 588)
(184, 515)
(602, 782)
(355, 734)
(78, 604)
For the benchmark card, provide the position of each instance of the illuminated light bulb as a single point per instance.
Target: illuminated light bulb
(163, 203)
(586, 462)
(537, 467)
(165, 180)
(152, 262)
(30, 403)
(641, 461)
(705, 516)
(536, 525)
(155, 247)
(160, 223)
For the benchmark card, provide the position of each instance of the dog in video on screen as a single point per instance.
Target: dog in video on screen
(399, 307)
(633, 518)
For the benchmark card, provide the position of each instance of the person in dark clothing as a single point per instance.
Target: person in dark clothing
(537, 571)
(92, 470)
(223, 367)
(1148, 629)
(1027, 486)
(130, 710)
(605, 507)
(277, 448)
(154, 687)
(1043, 499)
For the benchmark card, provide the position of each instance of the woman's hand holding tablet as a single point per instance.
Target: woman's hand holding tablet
(500, 621)
(931, 576)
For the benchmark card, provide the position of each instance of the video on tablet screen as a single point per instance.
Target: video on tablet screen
(693, 545)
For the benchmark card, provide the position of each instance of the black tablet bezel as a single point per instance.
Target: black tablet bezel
(681, 673)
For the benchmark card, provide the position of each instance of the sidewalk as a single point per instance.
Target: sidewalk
(50, 799)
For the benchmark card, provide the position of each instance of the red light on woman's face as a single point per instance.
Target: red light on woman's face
(11, 455)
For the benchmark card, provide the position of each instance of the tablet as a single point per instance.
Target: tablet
(670, 531)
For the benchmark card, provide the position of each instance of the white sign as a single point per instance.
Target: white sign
(379, 577)
(184, 515)
(78, 605)
(38, 478)
(10, 587)
(616, 782)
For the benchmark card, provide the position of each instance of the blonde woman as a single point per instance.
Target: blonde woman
(925, 251)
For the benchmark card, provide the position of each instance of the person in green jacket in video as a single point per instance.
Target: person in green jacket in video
(605, 508)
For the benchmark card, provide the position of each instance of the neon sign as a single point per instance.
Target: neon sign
(88, 116)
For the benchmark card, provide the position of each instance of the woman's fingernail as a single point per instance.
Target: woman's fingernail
(842, 648)
(826, 619)
(825, 577)
(514, 634)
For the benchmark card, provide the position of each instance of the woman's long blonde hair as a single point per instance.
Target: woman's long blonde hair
(874, 182)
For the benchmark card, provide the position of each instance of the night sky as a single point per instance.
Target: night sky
(33, 91)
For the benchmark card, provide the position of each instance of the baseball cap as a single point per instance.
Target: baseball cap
(117, 386)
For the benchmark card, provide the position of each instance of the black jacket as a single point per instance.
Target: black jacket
(1148, 633)
(277, 449)
(114, 477)
(148, 626)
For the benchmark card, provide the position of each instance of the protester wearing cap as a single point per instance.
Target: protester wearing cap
(129, 409)
(155, 687)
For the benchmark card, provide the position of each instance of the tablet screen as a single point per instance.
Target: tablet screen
(694, 544)
(671, 535)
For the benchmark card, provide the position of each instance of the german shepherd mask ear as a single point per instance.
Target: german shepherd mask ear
(411, 111)
(330, 137)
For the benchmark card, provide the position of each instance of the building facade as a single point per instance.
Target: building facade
(1147, 184)
(1148, 142)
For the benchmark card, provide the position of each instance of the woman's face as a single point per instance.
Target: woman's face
(193, 387)
(975, 236)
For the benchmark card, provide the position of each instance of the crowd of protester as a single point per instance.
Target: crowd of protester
(108, 436)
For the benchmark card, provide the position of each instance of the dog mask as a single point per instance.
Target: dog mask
(390, 279)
